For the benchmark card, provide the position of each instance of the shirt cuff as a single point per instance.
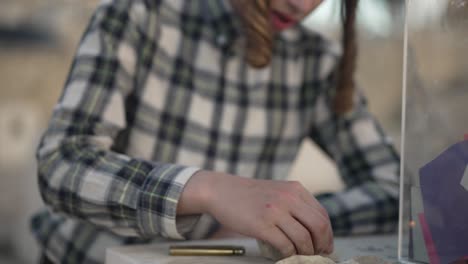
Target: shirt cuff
(158, 201)
(204, 228)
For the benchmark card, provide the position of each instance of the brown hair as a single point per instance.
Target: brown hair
(345, 83)
(255, 15)
(260, 44)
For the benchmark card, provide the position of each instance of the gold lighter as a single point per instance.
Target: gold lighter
(206, 251)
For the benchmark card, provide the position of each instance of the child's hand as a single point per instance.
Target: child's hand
(281, 213)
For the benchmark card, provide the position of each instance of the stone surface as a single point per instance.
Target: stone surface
(306, 260)
(367, 260)
(325, 260)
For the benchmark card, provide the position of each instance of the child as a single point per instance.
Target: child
(167, 100)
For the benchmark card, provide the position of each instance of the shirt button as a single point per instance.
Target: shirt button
(221, 40)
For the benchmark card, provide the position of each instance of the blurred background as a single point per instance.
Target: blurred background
(37, 42)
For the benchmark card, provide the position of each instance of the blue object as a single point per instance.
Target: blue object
(445, 200)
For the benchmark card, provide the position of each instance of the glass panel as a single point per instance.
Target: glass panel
(434, 223)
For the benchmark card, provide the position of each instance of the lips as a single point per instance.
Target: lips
(281, 21)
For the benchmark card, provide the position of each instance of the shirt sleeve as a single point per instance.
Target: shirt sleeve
(367, 162)
(81, 172)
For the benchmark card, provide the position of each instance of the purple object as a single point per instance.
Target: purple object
(445, 200)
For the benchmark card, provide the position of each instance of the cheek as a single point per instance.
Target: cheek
(310, 5)
(279, 4)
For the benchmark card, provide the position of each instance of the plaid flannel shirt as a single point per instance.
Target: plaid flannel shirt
(159, 89)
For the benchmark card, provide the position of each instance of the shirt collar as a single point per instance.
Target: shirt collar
(217, 8)
(220, 16)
